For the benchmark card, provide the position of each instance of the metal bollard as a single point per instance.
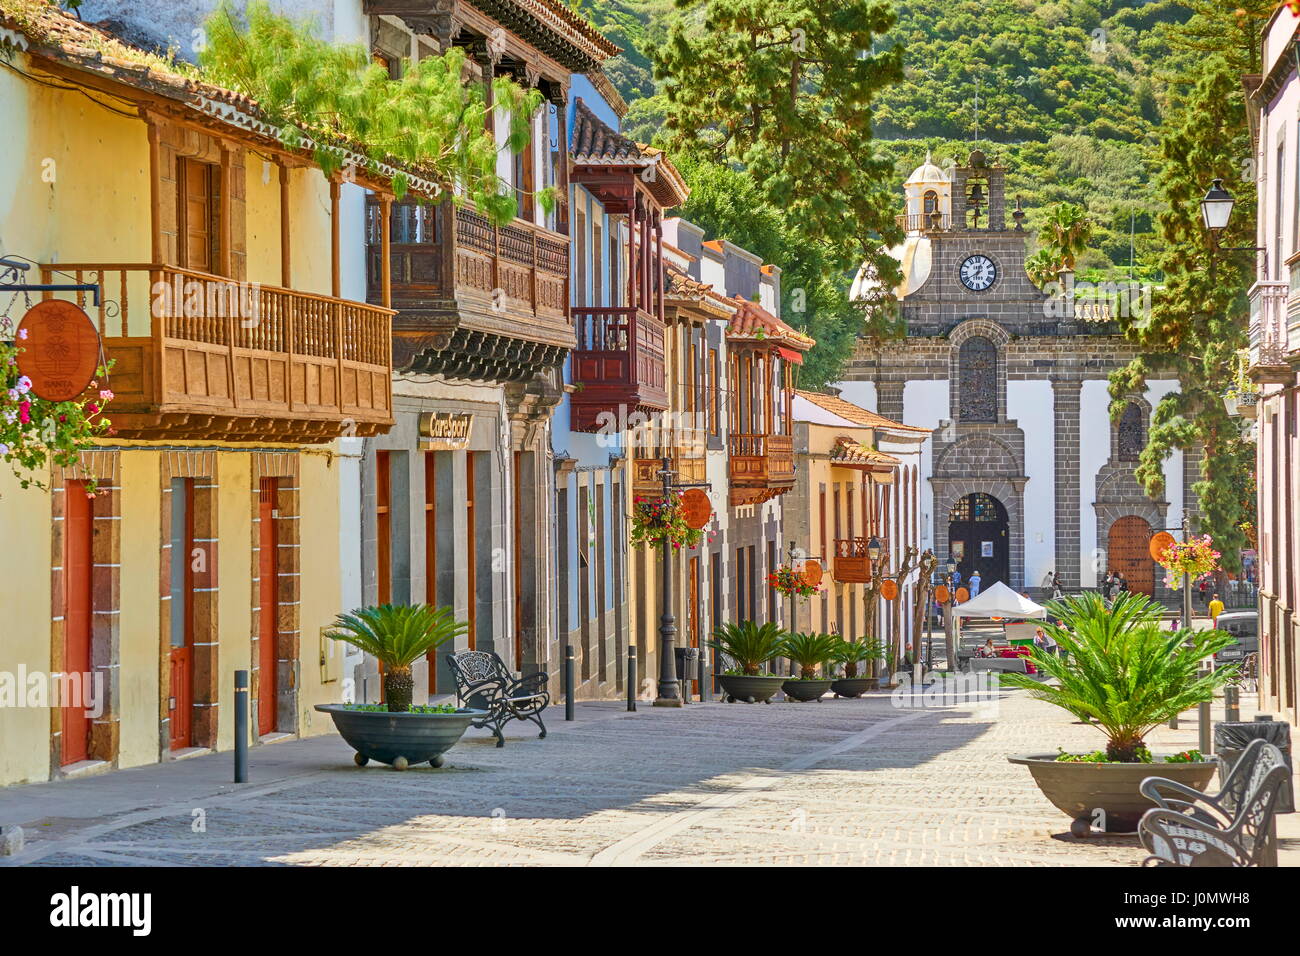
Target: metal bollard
(631, 679)
(569, 660)
(704, 677)
(1203, 720)
(241, 726)
(1232, 703)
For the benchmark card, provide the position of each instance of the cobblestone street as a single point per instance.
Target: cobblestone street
(840, 782)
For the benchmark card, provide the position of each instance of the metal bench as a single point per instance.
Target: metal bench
(1015, 664)
(1235, 827)
(482, 681)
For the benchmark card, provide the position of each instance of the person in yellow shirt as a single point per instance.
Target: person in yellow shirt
(1216, 608)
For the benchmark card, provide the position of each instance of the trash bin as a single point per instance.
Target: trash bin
(688, 662)
(1232, 737)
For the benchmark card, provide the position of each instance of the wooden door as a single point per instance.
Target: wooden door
(693, 609)
(1128, 551)
(268, 617)
(471, 552)
(383, 527)
(181, 699)
(78, 532)
(198, 185)
(431, 555)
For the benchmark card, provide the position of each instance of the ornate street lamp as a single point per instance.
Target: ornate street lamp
(1216, 207)
(873, 549)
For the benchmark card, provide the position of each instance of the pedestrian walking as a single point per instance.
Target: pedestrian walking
(1057, 591)
(1122, 584)
(975, 584)
(1107, 584)
(1216, 608)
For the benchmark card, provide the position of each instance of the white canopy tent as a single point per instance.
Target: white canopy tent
(1000, 601)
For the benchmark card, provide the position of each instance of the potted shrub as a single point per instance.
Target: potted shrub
(748, 647)
(852, 656)
(1125, 675)
(395, 732)
(811, 652)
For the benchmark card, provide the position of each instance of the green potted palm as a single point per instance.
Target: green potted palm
(396, 732)
(855, 656)
(1125, 675)
(811, 652)
(748, 647)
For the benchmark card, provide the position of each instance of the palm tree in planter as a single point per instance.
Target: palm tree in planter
(396, 732)
(1125, 675)
(854, 655)
(749, 646)
(811, 652)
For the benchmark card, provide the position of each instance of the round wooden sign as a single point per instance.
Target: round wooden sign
(60, 351)
(962, 595)
(812, 573)
(889, 590)
(696, 509)
(941, 594)
(1160, 541)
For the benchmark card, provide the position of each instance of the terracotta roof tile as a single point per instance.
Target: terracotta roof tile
(752, 321)
(594, 143)
(856, 413)
(847, 451)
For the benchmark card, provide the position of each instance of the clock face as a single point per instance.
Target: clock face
(978, 273)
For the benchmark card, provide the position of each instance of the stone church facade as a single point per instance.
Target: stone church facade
(1027, 473)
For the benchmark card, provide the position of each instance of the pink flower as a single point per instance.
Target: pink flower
(92, 409)
(22, 333)
(24, 385)
(106, 394)
(25, 412)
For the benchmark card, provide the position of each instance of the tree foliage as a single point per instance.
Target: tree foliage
(429, 120)
(1197, 321)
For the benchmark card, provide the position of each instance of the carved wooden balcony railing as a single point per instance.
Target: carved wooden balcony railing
(202, 356)
(1269, 333)
(852, 566)
(618, 366)
(685, 449)
(761, 466)
(474, 299)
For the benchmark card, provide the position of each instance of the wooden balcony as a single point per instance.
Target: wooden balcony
(474, 300)
(198, 356)
(618, 366)
(761, 467)
(687, 459)
(852, 566)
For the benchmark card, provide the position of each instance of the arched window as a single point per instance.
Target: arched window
(930, 201)
(978, 371)
(1131, 437)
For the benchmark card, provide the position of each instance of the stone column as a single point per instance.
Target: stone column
(1065, 406)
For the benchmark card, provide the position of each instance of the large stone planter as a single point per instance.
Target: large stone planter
(399, 740)
(1081, 789)
(854, 686)
(749, 689)
(805, 690)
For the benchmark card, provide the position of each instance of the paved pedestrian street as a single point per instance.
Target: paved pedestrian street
(841, 782)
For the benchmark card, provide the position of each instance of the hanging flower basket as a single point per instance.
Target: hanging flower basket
(657, 519)
(1193, 559)
(788, 581)
(34, 432)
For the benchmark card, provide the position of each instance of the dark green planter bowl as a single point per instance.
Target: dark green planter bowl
(854, 686)
(805, 690)
(749, 689)
(1079, 789)
(399, 740)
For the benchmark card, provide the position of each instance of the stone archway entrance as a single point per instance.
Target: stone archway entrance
(1127, 551)
(979, 538)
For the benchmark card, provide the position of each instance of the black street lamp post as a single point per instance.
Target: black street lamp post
(668, 689)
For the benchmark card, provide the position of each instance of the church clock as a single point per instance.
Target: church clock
(978, 272)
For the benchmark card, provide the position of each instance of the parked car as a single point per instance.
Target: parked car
(1244, 626)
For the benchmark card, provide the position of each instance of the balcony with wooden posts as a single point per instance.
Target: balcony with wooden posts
(852, 564)
(200, 356)
(618, 366)
(761, 466)
(685, 450)
(475, 300)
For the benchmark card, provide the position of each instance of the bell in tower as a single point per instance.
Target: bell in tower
(979, 189)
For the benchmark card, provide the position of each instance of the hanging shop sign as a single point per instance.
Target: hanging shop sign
(812, 573)
(696, 508)
(889, 590)
(60, 350)
(1160, 542)
(941, 594)
(445, 431)
(962, 595)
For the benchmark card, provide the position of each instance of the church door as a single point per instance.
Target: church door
(979, 539)
(1128, 551)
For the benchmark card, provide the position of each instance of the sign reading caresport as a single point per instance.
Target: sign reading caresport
(60, 350)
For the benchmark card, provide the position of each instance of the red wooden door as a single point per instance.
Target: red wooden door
(693, 610)
(78, 517)
(181, 702)
(268, 576)
(1128, 551)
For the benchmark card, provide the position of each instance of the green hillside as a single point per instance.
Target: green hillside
(1067, 93)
